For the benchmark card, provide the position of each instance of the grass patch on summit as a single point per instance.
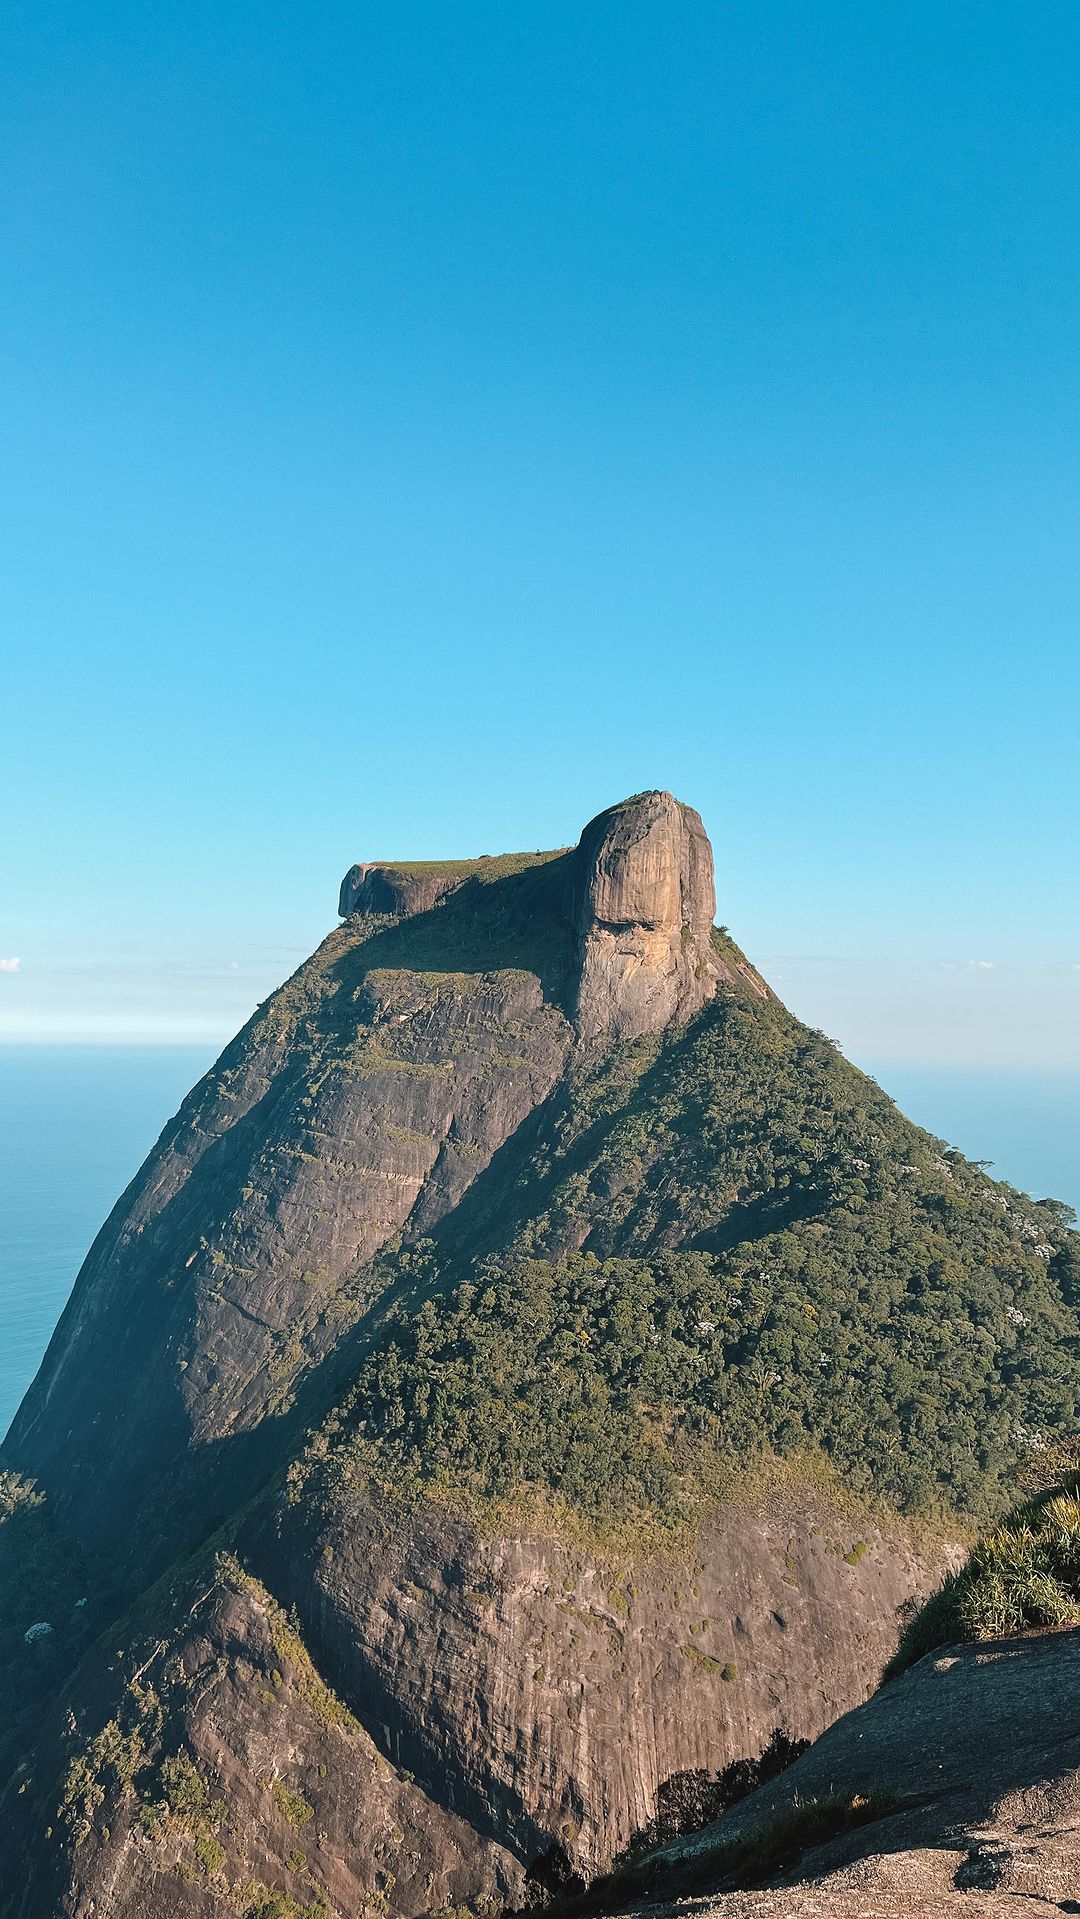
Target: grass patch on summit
(486, 867)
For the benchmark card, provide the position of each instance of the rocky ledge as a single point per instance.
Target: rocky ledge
(637, 890)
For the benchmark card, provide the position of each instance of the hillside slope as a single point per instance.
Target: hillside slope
(586, 1356)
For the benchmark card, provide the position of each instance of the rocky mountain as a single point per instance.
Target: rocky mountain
(531, 1368)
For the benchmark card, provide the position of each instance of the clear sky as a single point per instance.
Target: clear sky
(423, 426)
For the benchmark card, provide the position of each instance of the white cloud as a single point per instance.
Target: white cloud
(10, 965)
(982, 966)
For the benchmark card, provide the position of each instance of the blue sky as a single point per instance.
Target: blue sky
(421, 427)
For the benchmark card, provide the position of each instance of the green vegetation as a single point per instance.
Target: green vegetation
(138, 1765)
(688, 1801)
(188, 1807)
(703, 1253)
(124, 1757)
(255, 1901)
(1025, 1575)
(288, 1644)
(292, 1804)
(51, 1590)
(110, 1761)
(850, 1287)
(707, 1662)
(486, 868)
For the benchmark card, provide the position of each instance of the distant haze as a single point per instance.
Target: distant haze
(434, 424)
(950, 1011)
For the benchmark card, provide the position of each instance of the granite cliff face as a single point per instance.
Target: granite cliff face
(639, 893)
(484, 1455)
(643, 902)
(360, 1103)
(969, 1765)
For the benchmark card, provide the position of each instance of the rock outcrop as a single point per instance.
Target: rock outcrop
(509, 1692)
(322, 1135)
(387, 890)
(973, 1760)
(643, 905)
(638, 892)
(506, 1668)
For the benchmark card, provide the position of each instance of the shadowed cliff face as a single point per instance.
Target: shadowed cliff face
(507, 1693)
(453, 1305)
(506, 1671)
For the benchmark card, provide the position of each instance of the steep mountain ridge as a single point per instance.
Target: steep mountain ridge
(496, 1303)
(363, 1100)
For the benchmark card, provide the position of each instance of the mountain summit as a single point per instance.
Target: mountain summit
(528, 1374)
(638, 892)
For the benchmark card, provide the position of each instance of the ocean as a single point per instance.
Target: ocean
(77, 1121)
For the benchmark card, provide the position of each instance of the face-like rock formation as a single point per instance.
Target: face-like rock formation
(643, 904)
(639, 896)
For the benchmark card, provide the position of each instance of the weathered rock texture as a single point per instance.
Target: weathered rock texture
(367, 1104)
(508, 1693)
(643, 903)
(359, 1104)
(506, 1670)
(283, 1789)
(394, 890)
(978, 1747)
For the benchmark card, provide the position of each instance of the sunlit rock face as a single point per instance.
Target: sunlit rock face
(639, 897)
(643, 903)
(492, 1081)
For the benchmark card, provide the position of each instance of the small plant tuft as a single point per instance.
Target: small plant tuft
(1023, 1577)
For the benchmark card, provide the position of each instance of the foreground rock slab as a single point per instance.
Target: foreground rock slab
(978, 1748)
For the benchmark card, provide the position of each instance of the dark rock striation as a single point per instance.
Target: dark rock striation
(395, 891)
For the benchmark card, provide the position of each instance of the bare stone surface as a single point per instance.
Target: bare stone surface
(379, 888)
(512, 1668)
(507, 1693)
(979, 1748)
(643, 903)
(283, 1175)
(510, 1690)
(909, 1901)
(315, 1809)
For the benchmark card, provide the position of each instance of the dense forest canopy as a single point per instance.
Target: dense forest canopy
(767, 1256)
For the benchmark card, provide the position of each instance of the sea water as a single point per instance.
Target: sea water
(76, 1122)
